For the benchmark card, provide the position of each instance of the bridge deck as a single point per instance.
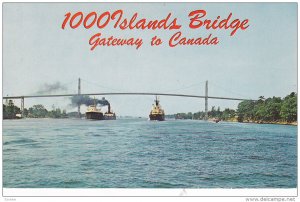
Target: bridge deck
(91, 94)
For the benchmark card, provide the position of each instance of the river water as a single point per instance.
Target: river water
(137, 153)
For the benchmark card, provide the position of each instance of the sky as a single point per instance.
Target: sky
(259, 61)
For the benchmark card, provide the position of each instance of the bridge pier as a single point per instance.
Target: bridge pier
(79, 92)
(22, 106)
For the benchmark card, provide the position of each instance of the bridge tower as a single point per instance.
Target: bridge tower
(206, 101)
(79, 92)
(22, 106)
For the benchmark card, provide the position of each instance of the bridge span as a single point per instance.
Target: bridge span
(120, 93)
(206, 97)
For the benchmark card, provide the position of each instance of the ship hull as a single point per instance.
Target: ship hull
(109, 117)
(157, 117)
(94, 115)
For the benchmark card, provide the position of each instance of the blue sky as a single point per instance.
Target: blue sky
(261, 60)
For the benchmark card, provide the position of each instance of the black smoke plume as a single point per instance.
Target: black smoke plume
(87, 100)
(50, 88)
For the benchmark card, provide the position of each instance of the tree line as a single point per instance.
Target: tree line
(226, 115)
(270, 110)
(10, 111)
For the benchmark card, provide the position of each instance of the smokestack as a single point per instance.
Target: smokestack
(108, 108)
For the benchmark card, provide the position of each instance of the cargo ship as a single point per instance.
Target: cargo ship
(94, 113)
(157, 113)
(109, 115)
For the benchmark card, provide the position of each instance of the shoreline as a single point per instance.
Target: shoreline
(272, 122)
(230, 120)
(275, 123)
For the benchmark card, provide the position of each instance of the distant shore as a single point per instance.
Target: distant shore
(278, 123)
(295, 123)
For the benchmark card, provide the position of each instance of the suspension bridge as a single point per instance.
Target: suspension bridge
(206, 96)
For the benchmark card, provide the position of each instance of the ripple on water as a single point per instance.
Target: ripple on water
(161, 184)
(19, 141)
(247, 139)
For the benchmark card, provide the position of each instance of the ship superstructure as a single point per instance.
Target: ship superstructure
(93, 112)
(157, 113)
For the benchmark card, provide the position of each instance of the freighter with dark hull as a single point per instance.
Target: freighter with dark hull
(94, 113)
(157, 113)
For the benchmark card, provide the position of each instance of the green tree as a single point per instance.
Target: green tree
(245, 110)
(272, 108)
(26, 112)
(288, 110)
(228, 114)
(259, 111)
(212, 113)
(38, 111)
(10, 110)
(199, 115)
